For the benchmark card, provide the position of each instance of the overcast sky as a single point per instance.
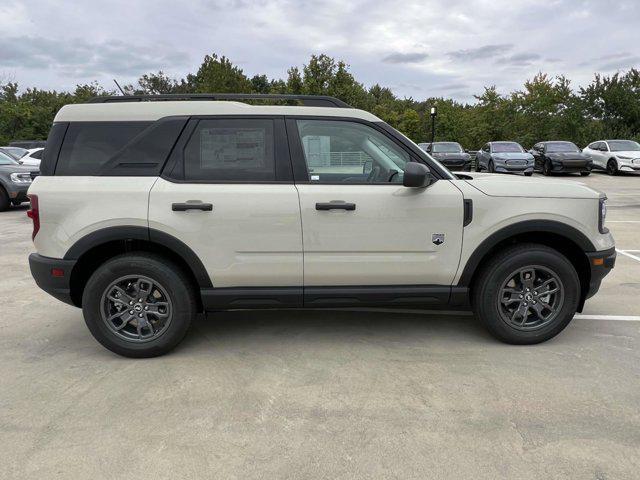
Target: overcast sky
(418, 48)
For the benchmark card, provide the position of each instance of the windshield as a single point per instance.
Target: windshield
(506, 147)
(624, 146)
(555, 147)
(447, 147)
(6, 159)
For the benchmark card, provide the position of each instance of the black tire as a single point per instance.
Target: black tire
(171, 280)
(612, 167)
(487, 293)
(4, 200)
(585, 174)
(528, 174)
(490, 167)
(546, 168)
(478, 169)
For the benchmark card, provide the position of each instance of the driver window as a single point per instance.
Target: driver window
(349, 152)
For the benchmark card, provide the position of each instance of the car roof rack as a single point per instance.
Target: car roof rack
(305, 100)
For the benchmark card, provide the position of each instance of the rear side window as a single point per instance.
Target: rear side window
(241, 150)
(87, 147)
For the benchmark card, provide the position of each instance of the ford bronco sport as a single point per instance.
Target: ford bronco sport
(149, 210)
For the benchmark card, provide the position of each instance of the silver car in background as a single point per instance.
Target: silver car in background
(504, 157)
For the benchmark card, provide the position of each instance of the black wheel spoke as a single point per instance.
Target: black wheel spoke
(530, 298)
(136, 308)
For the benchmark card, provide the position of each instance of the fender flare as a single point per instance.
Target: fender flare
(123, 233)
(527, 226)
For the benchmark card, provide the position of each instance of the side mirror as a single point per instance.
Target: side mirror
(367, 167)
(416, 175)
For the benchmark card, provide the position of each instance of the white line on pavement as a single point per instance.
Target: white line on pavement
(623, 318)
(624, 252)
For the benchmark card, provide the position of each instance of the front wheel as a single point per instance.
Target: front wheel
(139, 305)
(490, 167)
(526, 294)
(528, 174)
(546, 168)
(585, 174)
(612, 167)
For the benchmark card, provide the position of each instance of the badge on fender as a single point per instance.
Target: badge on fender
(437, 238)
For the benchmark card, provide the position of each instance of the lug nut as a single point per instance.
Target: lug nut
(130, 312)
(521, 296)
(140, 315)
(131, 302)
(146, 308)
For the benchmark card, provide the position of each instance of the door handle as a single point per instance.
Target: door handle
(336, 205)
(191, 205)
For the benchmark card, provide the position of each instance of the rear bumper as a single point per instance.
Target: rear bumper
(58, 286)
(600, 263)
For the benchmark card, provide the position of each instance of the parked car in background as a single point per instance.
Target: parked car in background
(560, 157)
(450, 154)
(15, 180)
(504, 157)
(14, 152)
(33, 157)
(614, 155)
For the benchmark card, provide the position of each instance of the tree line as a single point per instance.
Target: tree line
(545, 108)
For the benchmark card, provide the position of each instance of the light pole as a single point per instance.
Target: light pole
(434, 114)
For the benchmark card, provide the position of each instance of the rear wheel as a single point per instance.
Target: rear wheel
(612, 167)
(139, 305)
(526, 294)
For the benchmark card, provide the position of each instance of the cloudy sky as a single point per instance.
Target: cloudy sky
(418, 48)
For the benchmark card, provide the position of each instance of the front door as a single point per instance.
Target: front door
(361, 226)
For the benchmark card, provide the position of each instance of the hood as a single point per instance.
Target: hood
(17, 169)
(567, 156)
(512, 156)
(628, 153)
(516, 186)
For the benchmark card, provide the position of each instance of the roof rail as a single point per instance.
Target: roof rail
(306, 100)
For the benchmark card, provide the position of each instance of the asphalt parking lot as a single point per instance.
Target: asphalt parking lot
(325, 394)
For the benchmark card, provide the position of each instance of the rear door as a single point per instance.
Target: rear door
(227, 192)
(361, 226)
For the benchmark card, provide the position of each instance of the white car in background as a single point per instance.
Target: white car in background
(32, 158)
(614, 155)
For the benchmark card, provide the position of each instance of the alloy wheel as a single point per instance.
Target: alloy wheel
(530, 298)
(136, 308)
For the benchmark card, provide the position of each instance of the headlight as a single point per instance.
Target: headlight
(20, 177)
(622, 157)
(602, 214)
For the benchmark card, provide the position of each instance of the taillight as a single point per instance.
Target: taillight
(34, 214)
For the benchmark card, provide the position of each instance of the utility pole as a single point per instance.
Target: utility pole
(434, 114)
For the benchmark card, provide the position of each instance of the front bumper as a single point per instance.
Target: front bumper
(510, 168)
(570, 167)
(57, 285)
(600, 264)
(458, 166)
(17, 191)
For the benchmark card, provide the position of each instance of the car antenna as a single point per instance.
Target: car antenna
(119, 87)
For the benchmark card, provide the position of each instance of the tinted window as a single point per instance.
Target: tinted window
(89, 146)
(231, 150)
(447, 147)
(623, 146)
(556, 147)
(37, 155)
(507, 147)
(338, 151)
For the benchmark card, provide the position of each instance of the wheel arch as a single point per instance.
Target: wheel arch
(94, 249)
(567, 240)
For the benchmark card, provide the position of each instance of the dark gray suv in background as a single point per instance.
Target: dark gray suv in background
(450, 154)
(15, 180)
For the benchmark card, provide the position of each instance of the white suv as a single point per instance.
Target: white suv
(149, 210)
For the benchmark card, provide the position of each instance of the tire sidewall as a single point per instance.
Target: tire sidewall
(167, 275)
(486, 298)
